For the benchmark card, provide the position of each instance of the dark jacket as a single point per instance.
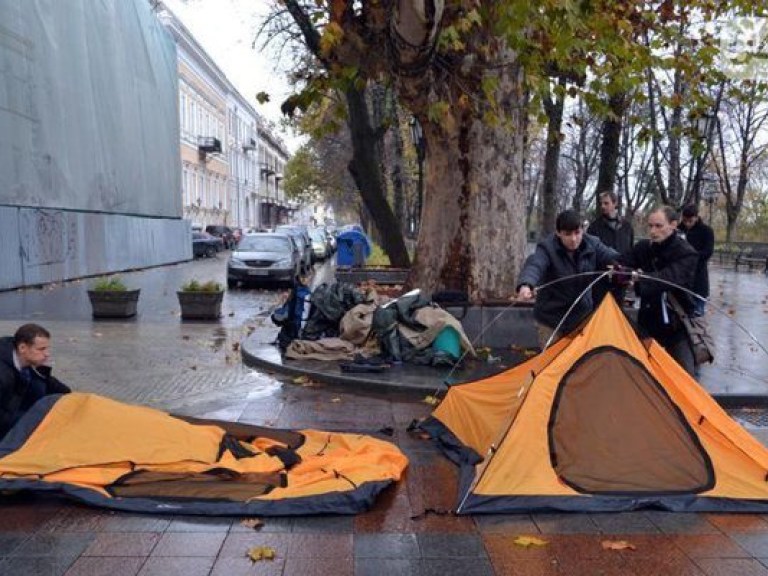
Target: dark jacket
(551, 261)
(702, 238)
(16, 395)
(618, 234)
(673, 260)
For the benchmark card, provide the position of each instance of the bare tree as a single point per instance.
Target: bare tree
(581, 154)
(741, 145)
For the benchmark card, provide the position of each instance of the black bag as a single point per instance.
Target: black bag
(292, 315)
(697, 328)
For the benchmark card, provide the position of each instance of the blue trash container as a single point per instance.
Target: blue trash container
(353, 248)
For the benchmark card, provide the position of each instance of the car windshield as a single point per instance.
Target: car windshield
(265, 244)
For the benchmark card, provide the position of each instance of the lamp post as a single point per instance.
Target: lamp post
(709, 191)
(702, 124)
(417, 135)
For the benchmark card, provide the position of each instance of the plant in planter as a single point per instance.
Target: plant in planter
(110, 298)
(200, 300)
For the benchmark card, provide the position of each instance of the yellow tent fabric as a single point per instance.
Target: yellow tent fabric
(601, 421)
(138, 458)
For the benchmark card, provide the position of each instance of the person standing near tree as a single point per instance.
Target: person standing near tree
(702, 238)
(669, 261)
(613, 231)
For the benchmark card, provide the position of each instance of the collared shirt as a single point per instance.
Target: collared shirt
(16, 361)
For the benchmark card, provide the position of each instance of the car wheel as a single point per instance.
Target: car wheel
(231, 283)
(210, 251)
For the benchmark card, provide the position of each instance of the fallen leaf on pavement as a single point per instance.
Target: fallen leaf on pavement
(335, 400)
(301, 380)
(617, 545)
(98, 334)
(235, 346)
(260, 553)
(526, 541)
(431, 400)
(253, 523)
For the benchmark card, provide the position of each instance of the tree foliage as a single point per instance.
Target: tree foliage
(475, 73)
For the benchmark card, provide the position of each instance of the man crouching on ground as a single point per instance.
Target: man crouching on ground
(25, 375)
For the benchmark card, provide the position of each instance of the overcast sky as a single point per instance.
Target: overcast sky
(226, 30)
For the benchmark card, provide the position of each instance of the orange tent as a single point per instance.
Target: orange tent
(601, 421)
(115, 455)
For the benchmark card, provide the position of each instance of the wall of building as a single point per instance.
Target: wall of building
(89, 151)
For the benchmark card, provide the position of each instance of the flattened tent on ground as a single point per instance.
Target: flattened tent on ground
(135, 458)
(598, 422)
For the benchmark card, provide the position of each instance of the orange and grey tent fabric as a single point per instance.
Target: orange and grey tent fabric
(126, 457)
(601, 421)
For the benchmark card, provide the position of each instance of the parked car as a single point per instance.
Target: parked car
(263, 258)
(300, 233)
(204, 244)
(224, 232)
(319, 244)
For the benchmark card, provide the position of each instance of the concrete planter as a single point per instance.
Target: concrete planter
(114, 304)
(200, 305)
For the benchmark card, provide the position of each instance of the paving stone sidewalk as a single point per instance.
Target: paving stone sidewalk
(193, 369)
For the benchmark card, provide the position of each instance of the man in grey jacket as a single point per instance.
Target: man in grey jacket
(565, 253)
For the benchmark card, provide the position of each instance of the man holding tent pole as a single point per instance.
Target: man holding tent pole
(25, 375)
(665, 256)
(566, 253)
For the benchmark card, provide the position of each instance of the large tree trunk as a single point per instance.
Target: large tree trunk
(398, 185)
(611, 144)
(366, 171)
(554, 107)
(473, 228)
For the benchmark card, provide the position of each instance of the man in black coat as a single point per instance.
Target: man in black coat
(25, 376)
(566, 252)
(613, 231)
(665, 256)
(702, 238)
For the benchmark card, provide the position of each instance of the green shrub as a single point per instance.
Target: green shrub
(109, 284)
(377, 257)
(195, 286)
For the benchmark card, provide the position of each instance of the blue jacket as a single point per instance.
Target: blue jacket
(17, 394)
(551, 261)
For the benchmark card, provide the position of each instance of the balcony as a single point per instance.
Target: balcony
(267, 169)
(249, 145)
(208, 145)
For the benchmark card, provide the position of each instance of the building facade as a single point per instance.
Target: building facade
(275, 209)
(231, 162)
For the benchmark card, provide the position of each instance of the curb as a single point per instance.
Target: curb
(259, 357)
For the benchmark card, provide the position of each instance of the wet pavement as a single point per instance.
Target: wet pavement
(195, 369)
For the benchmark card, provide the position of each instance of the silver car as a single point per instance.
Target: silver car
(263, 258)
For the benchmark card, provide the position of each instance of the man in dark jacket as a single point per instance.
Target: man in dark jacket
(566, 252)
(613, 231)
(702, 238)
(667, 257)
(25, 376)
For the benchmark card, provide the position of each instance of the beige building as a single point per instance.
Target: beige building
(231, 161)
